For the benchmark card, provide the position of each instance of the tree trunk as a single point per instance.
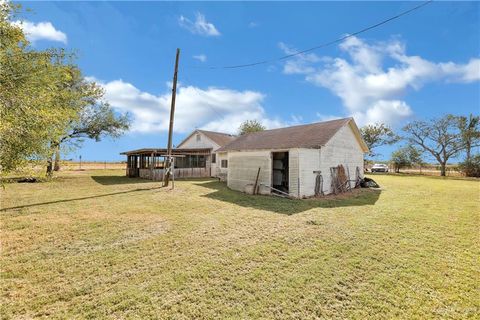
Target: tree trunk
(56, 166)
(49, 172)
(469, 149)
(443, 169)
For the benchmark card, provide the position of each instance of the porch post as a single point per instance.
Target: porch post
(151, 166)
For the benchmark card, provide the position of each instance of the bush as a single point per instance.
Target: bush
(471, 168)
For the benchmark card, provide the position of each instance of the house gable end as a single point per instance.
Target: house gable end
(205, 142)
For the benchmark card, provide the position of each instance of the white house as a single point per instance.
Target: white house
(195, 157)
(214, 141)
(291, 159)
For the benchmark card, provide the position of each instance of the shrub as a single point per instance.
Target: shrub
(471, 168)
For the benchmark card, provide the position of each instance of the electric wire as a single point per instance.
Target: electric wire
(323, 45)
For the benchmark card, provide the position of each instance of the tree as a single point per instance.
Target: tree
(90, 116)
(95, 121)
(44, 100)
(470, 130)
(439, 137)
(28, 78)
(376, 135)
(250, 126)
(406, 157)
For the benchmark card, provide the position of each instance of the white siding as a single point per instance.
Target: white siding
(204, 142)
(309, 161)
(243, 167)
(217, 170)
(342, 149)
(293, 171)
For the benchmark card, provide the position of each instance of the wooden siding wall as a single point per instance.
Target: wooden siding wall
(204, 142)
(158, 174)
(217, 170)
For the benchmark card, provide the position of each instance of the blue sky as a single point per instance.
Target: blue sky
(420, 66)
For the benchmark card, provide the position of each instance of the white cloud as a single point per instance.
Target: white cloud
(200, 26)
(200, 57)
(301, 64)
(216, 109)
(372, 80)
(253, 24)
(41, 31)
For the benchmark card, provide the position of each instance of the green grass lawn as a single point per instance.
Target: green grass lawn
(99, 245)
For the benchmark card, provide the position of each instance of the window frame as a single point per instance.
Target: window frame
(224, 163)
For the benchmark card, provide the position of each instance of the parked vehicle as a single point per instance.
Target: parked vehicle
(379, 167)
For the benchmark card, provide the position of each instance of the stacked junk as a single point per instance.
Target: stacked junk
(341, 182)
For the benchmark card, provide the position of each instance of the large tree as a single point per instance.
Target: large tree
(28, 81)
(44, 100)
(250, 126)
(376, 135)
(90, 116)
(441, 138)
(470, 130)
(95, 122)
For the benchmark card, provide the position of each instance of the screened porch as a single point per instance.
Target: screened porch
(150, 163)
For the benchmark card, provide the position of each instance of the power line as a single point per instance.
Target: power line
(323, 45)
(185, 76)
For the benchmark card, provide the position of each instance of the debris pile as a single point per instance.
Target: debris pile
(368, 183)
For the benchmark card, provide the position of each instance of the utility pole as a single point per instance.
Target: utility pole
(172, 114)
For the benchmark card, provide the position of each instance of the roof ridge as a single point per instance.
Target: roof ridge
(217, 132)
(303, 125)
(310, 135)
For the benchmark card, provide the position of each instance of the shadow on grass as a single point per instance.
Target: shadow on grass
(359, 197)
(113, 180)
(422, 175)
(77, 199)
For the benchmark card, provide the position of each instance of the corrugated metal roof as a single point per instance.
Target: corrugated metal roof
(312, 135)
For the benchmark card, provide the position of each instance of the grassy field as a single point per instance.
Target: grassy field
(99, 245)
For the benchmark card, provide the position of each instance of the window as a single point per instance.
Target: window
(214, 157)
(224, 163)
(199, 137)
(202, 163)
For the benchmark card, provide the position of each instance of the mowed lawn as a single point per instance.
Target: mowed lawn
(99, 245)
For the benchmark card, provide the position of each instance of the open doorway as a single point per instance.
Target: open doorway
(280, 171)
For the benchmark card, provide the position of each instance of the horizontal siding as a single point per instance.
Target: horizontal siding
(243, 168)
(159, 174)
(205, 142)
(217, 170)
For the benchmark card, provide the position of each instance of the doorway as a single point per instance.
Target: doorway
(280, 171)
